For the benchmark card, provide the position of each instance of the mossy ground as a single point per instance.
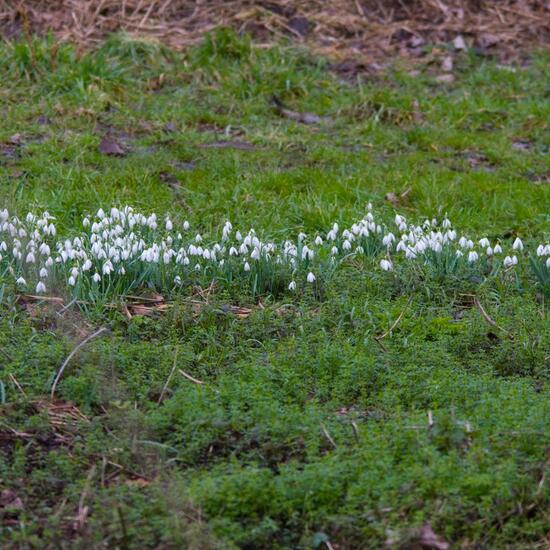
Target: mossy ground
(307, 428)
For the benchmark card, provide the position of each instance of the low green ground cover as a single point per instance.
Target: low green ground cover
(352, 417)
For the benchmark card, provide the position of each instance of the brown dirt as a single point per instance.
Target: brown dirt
(365, 31)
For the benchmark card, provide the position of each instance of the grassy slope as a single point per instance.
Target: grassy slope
(305, 429)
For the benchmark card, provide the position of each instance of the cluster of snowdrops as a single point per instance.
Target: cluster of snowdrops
(122, 250)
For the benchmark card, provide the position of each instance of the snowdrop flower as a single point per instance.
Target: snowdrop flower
(489, 251)
(169, 226)
(43, 273)
(497, 249)
(518, 245)
(310, 277)
(541, 250)
(97, 277)
(40, 288)
(292, 285)
(86, 222)
(246, 266)
(71, 281)
(346, 245)
(484, 243)
(548, 263)
(186, 225)
(446, 224)
(473, 256)
(334, 250)
(30, 259)
(21, 282)
(318, 241)
(386, 265)
(177, 280)
(49, 262)
(510, 261)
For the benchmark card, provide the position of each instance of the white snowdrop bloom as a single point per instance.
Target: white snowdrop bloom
(206, 254)
(489, 251)
(198, 238)
(541, 250)
(497, 249)
(359, 250)
(509, 261)
(331, 235)
(71, 281)
(186, 261)
(334, 250)
(386, 265)
(310, 254)
(388, 239)
(518, 245)
(484, 243)
(346, 245)
(238, 236)
(86, 222)
(410, 254)
(233, 251)
(97, 277)
(318, 241)
(30, 259)
(243, 249)
(169, 226)
(122, 271)
(310, 277)
(100, 214)
(246, 266)
(473, 256)
(21, 282)
(548, 263)
(470, 244)
(403, 227)
(166, 257)
(49, 262)
(255, 254)
(40, 288)
(446, 224)
(401, 245)
(459, 253)
(177, 280)
(186, 225)
(22, 233)
(3, 246)
(43, 273)
(292, 285)
(107, 267)
(451, 235)
(74, 272)
(301, 237)
(399, 220)
(462, 242)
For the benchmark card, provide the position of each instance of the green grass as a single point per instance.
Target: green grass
(308, 426)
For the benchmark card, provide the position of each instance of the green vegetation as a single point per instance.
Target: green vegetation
(294, 420)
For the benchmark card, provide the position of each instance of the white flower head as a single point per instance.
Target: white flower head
(292, 285)
(40, 288)
(310, 277)
(518, 245)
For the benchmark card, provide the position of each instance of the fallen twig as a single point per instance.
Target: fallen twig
(70, 356)
(189, 377)
(487, 317)
(169, 377)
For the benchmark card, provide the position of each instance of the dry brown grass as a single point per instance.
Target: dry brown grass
(365, 30)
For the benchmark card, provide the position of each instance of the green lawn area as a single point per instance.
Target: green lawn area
(352, 412)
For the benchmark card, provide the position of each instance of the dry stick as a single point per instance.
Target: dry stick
(169, 377)
(189, 377)
(17, 384)
(84, 342)
(327, 435)
(395, 323)
(486, 316)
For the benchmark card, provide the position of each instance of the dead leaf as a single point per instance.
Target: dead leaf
(445, 78)
(304, 118)
(417, 113)
(299, 25)
(397, 200)
(447, 64)
(10, 500)
(139, 482)
(522, 145)
(486, 40)
(156, 82)
(459, 43)
(109, 146)
(428, 539)
(15, 139)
